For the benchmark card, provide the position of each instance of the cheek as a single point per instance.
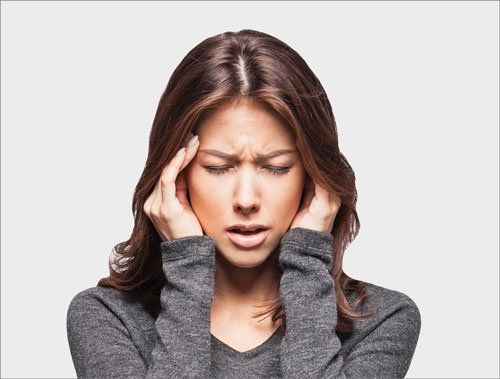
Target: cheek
(285, 195)
(205, 195)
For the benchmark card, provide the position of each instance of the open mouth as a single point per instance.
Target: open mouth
(246, 232)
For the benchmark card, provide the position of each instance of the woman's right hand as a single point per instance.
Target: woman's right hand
(168, 206)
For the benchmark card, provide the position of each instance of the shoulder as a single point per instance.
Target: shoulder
(104, 328)
(91, 303)
(104, 304)
(394, 310)
(97, 296)
(384, 344)
(387, 299)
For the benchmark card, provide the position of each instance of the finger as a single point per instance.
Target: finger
(167, 181)
(180, 181)
(166, 175)
(321, 201)
(150, 199)
(156, 205)
(323, 195)
(335, 200)
(154, 208)
(191, 151)
(327, 201)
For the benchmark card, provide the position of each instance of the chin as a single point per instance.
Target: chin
(250, 258)
(245, 262)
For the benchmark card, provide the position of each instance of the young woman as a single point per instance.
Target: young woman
(250, 218)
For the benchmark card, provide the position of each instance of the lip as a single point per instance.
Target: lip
(250, 241)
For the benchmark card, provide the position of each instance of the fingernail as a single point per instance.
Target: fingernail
(181, 151)
(192, 141)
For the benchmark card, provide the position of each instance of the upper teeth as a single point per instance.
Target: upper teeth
(248, 230)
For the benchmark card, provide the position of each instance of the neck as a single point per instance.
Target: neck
(242, 288)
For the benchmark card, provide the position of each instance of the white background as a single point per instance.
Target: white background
(414, 87)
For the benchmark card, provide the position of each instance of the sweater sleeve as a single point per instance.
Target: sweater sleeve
(100, 343)
(310, 347)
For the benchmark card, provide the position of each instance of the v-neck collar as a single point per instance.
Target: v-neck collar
(249, 353)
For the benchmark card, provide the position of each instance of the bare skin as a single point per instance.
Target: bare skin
(192, 199)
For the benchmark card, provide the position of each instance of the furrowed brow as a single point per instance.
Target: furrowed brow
(235, 159)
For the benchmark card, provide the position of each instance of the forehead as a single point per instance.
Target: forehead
(242, 123)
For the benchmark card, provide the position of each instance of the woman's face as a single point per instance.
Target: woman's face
(245, 190)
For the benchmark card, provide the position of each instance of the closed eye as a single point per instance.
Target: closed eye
(272, 170)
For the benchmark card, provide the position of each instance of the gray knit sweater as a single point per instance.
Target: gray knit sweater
(110, 336)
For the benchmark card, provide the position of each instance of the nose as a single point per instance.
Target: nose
(246, 195)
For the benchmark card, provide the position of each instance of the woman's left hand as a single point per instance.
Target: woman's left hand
(318, 209)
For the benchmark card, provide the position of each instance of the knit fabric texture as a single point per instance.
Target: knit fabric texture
(112, 337)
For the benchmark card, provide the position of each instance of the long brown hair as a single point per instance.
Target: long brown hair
(255, 66)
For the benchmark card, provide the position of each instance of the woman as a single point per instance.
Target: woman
(255, 211)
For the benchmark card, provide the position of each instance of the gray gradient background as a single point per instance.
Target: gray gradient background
(414, 88)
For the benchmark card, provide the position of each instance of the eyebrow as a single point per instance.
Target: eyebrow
(234, 158)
